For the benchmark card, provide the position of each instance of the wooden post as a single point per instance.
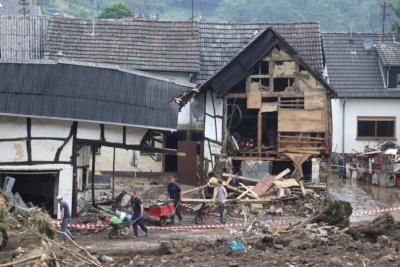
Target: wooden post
(93, 172)
(259, 131)
(225, 129)
(74, 178)
(113, 175)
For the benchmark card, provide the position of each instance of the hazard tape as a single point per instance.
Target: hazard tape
(374, 211)
(198, 226)
(81, 225)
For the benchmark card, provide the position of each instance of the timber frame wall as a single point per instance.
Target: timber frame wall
(278, 84)
(26, 141)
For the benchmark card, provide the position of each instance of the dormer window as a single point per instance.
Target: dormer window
(394, 78)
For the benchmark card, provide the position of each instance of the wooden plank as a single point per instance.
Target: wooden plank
(286, 183)
(304, 137)
(298, 120)
(248, 179)
(254, 99)
(195, 189)
(255, 158)
(237, 95)
(263, 185)
(282, 174)
(249, 191)
(259, 131)
(314, 99)
(303, 190)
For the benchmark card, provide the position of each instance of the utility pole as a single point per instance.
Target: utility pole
(192, 11)
(94, 18)
(25, 7)
(384, 15)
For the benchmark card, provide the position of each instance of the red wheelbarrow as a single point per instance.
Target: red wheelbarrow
(163, 209)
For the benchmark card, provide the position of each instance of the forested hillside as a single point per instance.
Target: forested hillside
(334, 15)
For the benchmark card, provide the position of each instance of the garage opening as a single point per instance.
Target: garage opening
(37, 187)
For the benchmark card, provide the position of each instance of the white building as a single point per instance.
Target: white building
(52, 115)
(365, 73)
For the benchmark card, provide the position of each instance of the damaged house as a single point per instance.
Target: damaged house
(265, 105)
(53, 117)
(194, 52)
(249, 121)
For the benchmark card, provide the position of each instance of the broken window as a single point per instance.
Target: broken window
(376, 127)
(261, 68)
(280, 84)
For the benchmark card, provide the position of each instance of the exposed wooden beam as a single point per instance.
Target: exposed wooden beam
(141, 148)
(28, 139)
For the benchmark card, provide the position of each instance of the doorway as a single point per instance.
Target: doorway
(37, 187)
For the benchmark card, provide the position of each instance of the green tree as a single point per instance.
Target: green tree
(396, 10)
(116, 11)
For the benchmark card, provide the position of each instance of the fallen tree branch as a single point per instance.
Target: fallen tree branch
(81, 248)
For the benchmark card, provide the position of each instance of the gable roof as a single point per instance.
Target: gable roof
(193, 47)
(75, 91)
(389, 53)
(219, 42)
(353, 71)
(134, 44)
(13, 7)
(22, 37)
(240, 66)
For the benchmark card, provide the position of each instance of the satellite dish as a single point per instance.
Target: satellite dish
(368, 43)
(197, 110)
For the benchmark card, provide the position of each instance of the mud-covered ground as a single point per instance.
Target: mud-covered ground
(209, 247)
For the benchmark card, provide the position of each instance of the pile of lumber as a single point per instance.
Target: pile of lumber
(246, 190)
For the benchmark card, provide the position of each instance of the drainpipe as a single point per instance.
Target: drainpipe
(343, 127)
(387, 77)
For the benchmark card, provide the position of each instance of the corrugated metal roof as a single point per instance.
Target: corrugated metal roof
(353, 71)
(87, 93)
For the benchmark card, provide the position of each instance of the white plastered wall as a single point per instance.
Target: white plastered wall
(353, 109)
(213, 127)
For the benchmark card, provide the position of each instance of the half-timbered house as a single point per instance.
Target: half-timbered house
(265, 104)
(53, 115)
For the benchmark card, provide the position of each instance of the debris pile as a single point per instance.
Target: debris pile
(35, 223)
(272, 195)
(378, 165)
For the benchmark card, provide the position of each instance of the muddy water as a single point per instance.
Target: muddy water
(364, 196)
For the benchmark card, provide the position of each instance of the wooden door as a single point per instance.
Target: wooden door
(187, 166)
